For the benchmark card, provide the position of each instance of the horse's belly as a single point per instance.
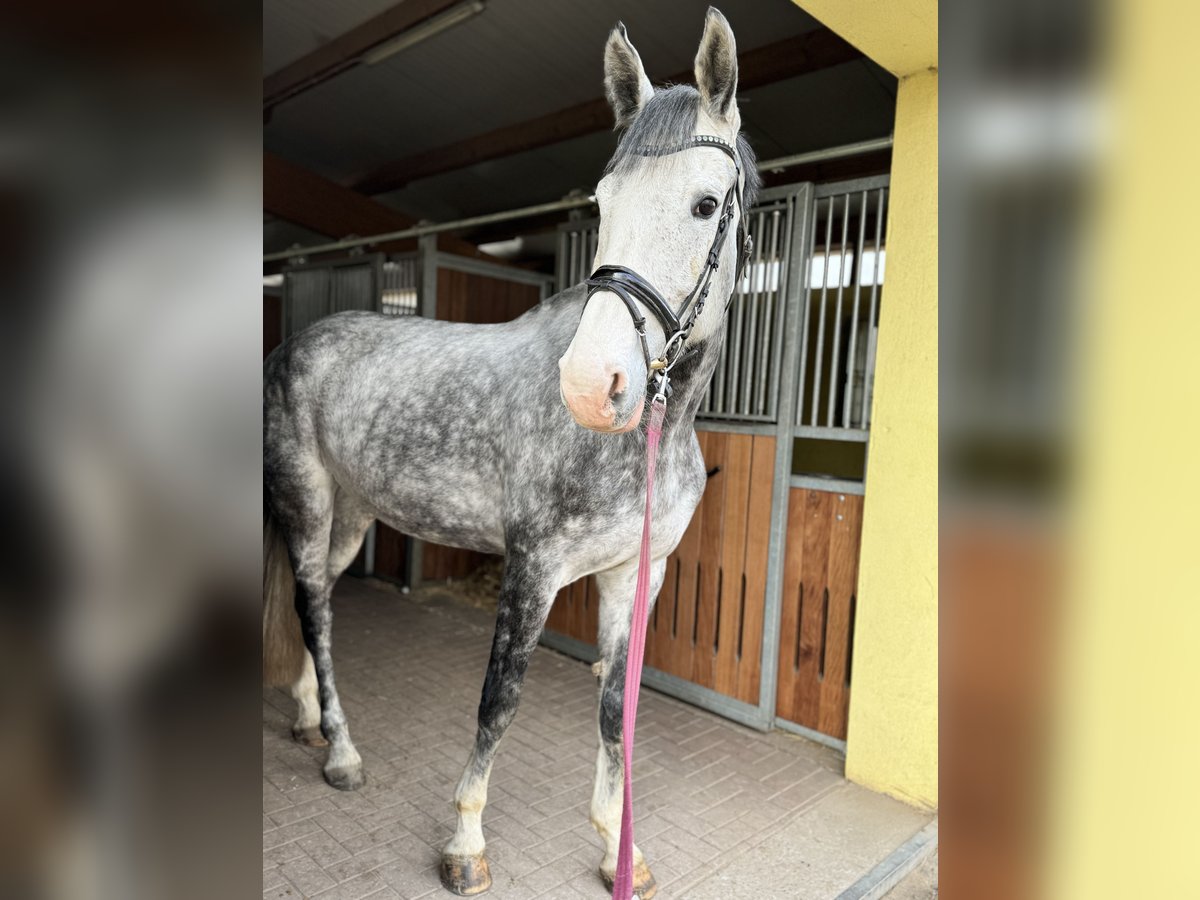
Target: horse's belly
(459, 512)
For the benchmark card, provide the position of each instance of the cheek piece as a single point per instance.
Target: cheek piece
(633, 289)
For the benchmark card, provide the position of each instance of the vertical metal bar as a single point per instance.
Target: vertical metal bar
(750, 355)
(851, 359)
(787, 224)
(819, 357)
(735, 352)
(767, 309)
(560, 261)
(377, 282)
(837, 317)
(717, 385)
(806, 303)
(427, 261)
(574, 257)
(797, 277)
(764, 401)
(761, 348)
(369, 551)
(869, 364)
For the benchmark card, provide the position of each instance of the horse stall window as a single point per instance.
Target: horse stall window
(841, 320)
(745, 386)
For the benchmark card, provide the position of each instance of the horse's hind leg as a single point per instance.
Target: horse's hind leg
(305, 509)
(349, 525)
(616, 604)
(307, 727)
(525, 597)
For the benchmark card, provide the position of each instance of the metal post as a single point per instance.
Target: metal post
(427, 263)
(795, 296)
(369, 548)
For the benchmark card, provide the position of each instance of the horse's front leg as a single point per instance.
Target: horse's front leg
(526, 593)
(616, 607)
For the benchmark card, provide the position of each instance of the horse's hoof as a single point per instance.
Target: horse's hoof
(346, 778)
(644, 885)
(466, 875)
(310, 737)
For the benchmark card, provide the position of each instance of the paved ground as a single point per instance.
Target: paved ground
(721, 810)
(920, 884)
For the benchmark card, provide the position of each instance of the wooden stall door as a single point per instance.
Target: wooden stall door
(817, 624)
(706, 627)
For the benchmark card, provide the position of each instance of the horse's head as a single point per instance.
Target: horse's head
(661, 201)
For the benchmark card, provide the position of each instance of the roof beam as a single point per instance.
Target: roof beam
(344, 52)
(297, 195)
(809, 52)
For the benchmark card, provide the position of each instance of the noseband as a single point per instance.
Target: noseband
(632, 288)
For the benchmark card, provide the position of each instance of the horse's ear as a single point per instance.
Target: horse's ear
(625, 80)
(716, 66)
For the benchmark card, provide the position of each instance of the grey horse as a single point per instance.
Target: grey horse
(469, 435)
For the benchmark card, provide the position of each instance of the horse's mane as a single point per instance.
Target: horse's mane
(666, 121)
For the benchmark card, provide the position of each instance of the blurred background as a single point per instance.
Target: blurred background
(131, 164)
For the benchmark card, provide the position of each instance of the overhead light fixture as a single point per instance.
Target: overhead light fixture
(455, 15)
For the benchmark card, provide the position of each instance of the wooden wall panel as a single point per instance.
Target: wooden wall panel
(817, 624)
(390, 553)
(464, 297)
(439, 562)
(707, 624)
(575, 611)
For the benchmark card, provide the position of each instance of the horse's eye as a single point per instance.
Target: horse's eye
(706, 207)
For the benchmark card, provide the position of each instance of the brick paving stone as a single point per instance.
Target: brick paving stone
(368, 884)
(410, 672)
(308, 877)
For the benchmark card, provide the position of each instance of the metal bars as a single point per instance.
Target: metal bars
(745, 387)
(311, 292)
(840, 323)
(576, 252)
(400, 274)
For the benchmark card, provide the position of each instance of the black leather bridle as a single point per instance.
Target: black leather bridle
(633, 289)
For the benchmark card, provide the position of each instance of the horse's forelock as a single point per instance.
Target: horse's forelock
(666, 121)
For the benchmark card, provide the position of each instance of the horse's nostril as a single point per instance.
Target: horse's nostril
(619, 381)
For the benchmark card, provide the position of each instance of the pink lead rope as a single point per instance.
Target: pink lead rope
(623, 883)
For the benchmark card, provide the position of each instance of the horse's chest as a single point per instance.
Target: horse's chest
(613, 530)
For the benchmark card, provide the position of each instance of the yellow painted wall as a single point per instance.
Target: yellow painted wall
(900, 35)
(892, 739)
(1125, 785)
(891, 744)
